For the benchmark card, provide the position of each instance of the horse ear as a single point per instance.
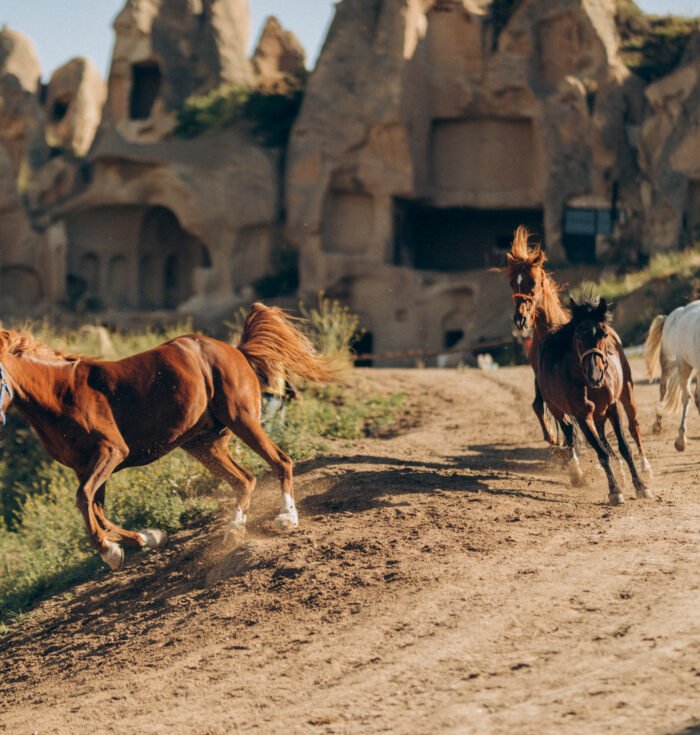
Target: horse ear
(572, 304)
(538, 257)
(510, 257)
(602, 309)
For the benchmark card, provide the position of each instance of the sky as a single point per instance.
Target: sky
(62, 29)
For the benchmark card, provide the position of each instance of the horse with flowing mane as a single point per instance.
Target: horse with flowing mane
(672, 353)
(193, 392)
(581, 375)
(537, 306)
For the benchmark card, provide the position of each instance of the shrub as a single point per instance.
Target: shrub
(271, 112)
(652, 46)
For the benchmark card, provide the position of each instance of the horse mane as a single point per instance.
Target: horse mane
(523, 256)
(586, 309)
(21, 344)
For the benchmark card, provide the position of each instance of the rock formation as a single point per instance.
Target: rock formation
(669, 156)
(74, 99)
(166, 51)
(426, 137)
(279, 54)
(429, 130)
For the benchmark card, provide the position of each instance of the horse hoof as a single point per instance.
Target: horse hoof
(234, 533)
(616, 499)
(286, 521)
(576, 479)
(154, 538)
(113, 557)
(644, 492)
(679, 444)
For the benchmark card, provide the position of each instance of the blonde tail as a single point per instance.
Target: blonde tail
(652, 347)
(271, 340)
(672, 399)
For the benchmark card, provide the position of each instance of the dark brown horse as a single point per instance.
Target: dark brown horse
(192, 392)
(581, 375)
(536, 306)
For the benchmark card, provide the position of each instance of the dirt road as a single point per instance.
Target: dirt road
(447, 580)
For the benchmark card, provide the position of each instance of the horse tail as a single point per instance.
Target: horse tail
(270, 341)
(672, 398)
(652, 347)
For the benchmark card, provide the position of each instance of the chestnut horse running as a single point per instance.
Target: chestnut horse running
(192, 392)
(536, 306)
(581, 375)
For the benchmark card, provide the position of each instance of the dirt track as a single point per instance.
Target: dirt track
(444, 581)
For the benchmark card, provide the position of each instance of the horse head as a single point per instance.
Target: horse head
(526, 276)
(590, 320)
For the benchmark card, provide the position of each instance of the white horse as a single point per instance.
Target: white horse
(672, 353)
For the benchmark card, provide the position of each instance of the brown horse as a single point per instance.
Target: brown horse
(581, 375)
(537, 307)
(192, 392)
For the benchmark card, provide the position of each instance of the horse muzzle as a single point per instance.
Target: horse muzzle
(593, 373)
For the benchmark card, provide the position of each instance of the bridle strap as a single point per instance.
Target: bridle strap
(599, 353)
(524, 296)
(5, 390)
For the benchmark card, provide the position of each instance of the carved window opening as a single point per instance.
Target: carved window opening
(145, 85)
(457, 238)
(59, 109)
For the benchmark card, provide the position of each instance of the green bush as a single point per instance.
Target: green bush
(270, 112)
(652, 46)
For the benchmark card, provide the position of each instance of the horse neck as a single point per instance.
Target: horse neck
(34, 383)
(549, 312)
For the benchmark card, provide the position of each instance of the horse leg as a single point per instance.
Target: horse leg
(615, 496)
(154, 538)
(216, 457)
(600, 429)
(685, 373)
(103, 463)
(249, 430)
(629, 403)
(641, 490)
(538, 408)
(575, 474)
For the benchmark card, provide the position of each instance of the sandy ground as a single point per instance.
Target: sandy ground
(447, 580)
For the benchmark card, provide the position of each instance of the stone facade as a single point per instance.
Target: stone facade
(429, 130)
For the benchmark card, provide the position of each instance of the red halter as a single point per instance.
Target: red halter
(524, 296)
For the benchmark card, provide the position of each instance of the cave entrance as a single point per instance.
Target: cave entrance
(168, 256)
(457, 238)
(145, 85)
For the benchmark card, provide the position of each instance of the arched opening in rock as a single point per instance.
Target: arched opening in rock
(451, 337)
(457, 238)
(168, 256)
(145, 85)
(59, 109)
(364, 345)
(89, 272)
(20, 287)
(117, 286)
